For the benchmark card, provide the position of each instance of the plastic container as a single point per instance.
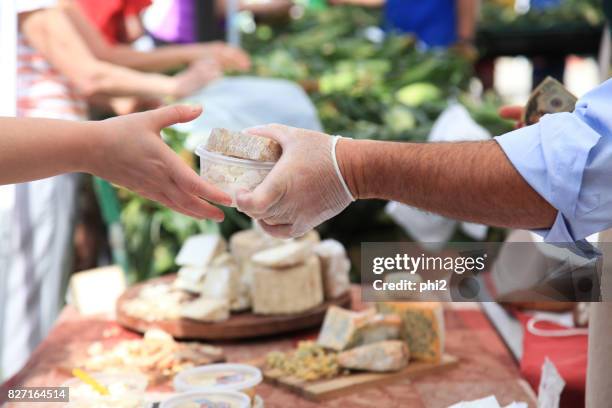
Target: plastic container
(229, 399)
(231, 174)
(219, 377)
(126, 391)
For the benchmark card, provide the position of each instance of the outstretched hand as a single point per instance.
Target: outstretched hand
(129, 151)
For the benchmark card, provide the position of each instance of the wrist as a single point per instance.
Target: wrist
(350, 162)
(93, 142)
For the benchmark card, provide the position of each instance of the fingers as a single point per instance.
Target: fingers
(169, 115)
(511, 112)
(258, 203)
(278, 133)
(189, 182)
(190, 204)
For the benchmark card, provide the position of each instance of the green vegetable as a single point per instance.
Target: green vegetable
(417, 94)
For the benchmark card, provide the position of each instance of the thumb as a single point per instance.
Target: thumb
(170, 115)
(258, 202)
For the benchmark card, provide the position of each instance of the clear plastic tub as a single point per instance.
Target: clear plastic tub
(126, 391)
(229, 399)
(219, 377)
(231, 174)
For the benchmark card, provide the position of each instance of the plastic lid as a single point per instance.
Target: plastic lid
(218, 377)
(209, 399)
(234, 161)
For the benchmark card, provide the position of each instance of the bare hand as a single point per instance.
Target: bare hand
(228, 57)
(198, 75)
(129, 151)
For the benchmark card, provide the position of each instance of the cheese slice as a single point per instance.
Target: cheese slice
(244, 244)
(199, 250)
(288, 290)
(243, 146)
(283, 256)
(222, 279)
(422, 327)
(335, 267)
(384, 356)
(339, 327)
(343, 329)
(206, 310)
(190, 279)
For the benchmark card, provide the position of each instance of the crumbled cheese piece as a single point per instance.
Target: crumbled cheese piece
(383, 356)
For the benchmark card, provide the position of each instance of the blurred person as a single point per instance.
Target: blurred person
(176, 21)
(57, 69)
(436, 23)
(106, 30)
(552, 177)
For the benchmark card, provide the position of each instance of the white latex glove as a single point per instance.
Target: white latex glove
(305, 187)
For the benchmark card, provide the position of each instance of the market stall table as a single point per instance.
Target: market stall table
(486, 366)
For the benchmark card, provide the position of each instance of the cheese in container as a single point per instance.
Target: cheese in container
(235, 161)
(124, 391)
(208, 399)
(219, 377)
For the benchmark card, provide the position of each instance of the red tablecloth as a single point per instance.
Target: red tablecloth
(569, 355)
(486, 366)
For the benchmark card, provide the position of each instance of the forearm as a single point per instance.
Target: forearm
(106, 79)
(32, 149)
(467, 15)
(158, 60)
(472, 181)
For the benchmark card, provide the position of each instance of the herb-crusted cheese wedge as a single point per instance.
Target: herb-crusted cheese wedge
(243, 146)
(422, 327)
(383, 356)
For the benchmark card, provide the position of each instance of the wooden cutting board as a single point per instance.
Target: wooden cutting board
(322, 390)
(239, 326)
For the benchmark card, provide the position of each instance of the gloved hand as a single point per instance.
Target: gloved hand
(304, 188)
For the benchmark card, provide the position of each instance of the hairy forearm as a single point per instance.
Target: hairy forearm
(472, 181)
(467, 15)
(32, 149)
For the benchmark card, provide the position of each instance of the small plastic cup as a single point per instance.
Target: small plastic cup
(219, 377)
(231, 174)
(230, 399)
(125, 391)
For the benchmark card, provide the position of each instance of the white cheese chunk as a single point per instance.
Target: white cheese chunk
(206, 310)
(335, 267)
(283, 256)
(199, 250)
(222, 279)
(289, 290)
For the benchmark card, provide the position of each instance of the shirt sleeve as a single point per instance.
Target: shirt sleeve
(567, 159)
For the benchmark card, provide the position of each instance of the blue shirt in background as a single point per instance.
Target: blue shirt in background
(567, 159)
(434, 22)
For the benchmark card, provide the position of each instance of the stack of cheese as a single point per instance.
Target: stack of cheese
(290, 276)
(364, 340)
(387, 340)
(209, 270)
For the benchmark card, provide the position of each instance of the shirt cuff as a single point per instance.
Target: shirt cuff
(551, 156)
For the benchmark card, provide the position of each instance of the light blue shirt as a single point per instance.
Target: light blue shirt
(567, 159)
